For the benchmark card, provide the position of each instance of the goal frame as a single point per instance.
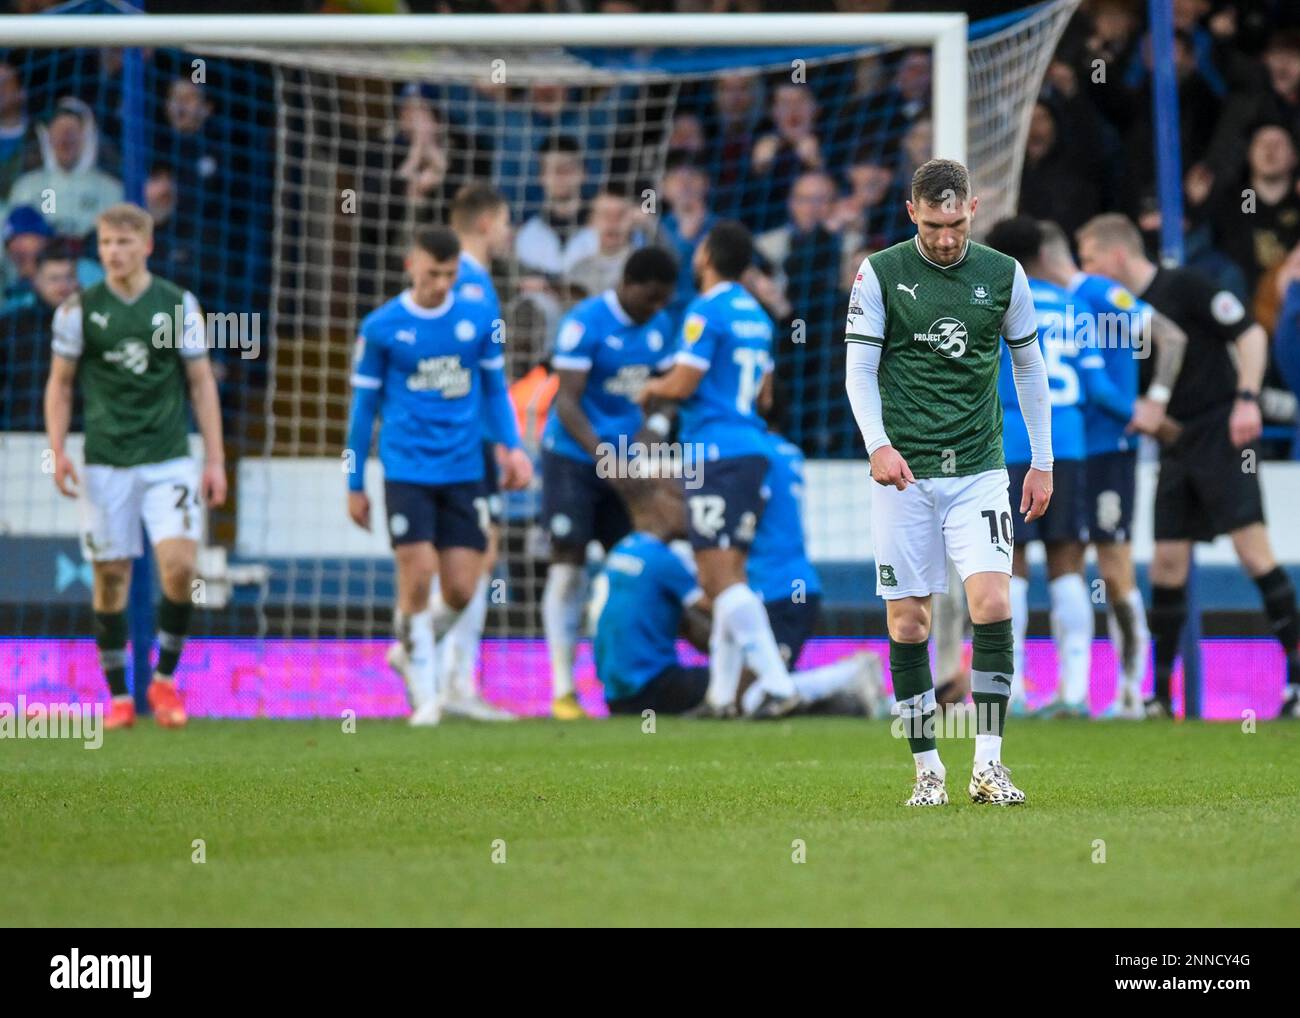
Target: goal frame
(944, 34)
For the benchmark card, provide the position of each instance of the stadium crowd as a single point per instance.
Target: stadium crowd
(62, 140)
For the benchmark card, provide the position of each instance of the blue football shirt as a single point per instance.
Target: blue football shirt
(1061, 319)
(1122, 317)
(640, 595)
(727, 335)
(619, 355)
(426, 364)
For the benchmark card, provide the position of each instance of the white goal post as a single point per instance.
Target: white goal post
(945, 33)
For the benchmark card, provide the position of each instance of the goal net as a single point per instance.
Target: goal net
(285, 180)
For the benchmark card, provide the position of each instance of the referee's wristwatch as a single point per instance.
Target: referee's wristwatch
(1246, 396)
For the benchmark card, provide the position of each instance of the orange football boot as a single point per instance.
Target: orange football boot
(121, 713)
(166, 704)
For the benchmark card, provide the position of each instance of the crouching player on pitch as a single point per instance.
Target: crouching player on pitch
(924, 322)
(425, 362)
(647, 594)
(644, 597)
(138, 467)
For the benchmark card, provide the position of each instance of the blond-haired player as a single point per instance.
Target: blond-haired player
(136, 346)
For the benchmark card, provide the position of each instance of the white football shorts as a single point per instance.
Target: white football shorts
(915, 531)
(115, 501)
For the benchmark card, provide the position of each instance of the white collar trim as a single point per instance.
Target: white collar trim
(408, 302)
(916, 241)
(615, 308)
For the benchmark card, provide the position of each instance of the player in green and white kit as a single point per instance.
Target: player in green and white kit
(924, 322)
(136, 343)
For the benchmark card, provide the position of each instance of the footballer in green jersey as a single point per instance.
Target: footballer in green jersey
(136, 346)
(926, 321)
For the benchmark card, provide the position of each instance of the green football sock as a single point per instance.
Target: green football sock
(110, 638)
(914, 690)
(990, 675)
(173, 627)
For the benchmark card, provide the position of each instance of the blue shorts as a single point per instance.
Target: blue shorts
(723, 512)
(446, 515)
(793, 625)
(675, 690)
(1112, 488)
(1066, 518)
(491, 484)
(578, 506)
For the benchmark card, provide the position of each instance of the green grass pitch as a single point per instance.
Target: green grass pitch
(603, 824)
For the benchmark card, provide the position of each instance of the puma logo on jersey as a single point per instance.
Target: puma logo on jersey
(99, 319)
(405, 335)
(909, 290)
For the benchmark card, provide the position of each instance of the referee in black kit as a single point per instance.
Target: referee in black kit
(1207, 486)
